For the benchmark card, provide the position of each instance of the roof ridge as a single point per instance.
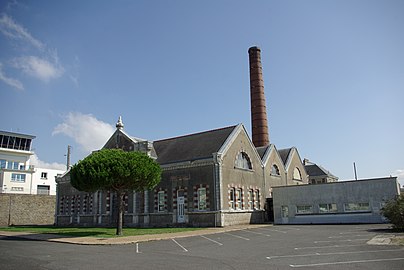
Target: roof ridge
(198, 133)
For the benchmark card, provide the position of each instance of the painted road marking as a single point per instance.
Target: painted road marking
(272, 230)
(249, 231)
(184, 249)
(334, 253)
(333, 246)
(238, 236)
(220, 244)
(358, 235)
(347, 262)
(137, 248)
(347, 240)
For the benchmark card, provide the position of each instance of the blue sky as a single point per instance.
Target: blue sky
(333, 73)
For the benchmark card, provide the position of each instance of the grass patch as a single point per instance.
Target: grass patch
(93, 231)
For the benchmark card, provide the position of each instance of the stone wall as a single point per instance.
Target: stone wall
(16, 209)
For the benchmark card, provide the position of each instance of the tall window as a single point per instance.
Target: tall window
(285, 211)
(257, 199)
(161, 201)
(2, 163)
(232, 199)
(296, 174)
(201, 198)
(243, 161)
(44, 175)
(239, 197)
(250, 199)
(275, 170)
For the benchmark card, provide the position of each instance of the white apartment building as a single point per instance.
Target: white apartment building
(17, 175)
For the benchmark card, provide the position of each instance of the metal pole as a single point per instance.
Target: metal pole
(356, 176)
(68, 157)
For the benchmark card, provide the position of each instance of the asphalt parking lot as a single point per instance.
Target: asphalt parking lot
(269, 247)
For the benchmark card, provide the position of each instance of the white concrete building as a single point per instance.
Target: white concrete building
(17, 174)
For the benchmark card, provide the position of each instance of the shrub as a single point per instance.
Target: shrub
(394, 212)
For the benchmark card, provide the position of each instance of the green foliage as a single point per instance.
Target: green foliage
(394, 212)
(115, 170)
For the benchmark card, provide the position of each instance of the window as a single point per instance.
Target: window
(44, 175)
(17, 189)
(3, 163)
(275, 170)
(356, 207)
(239, 198)
(296, 174)
(243, 161)
(201, 198)
(161, 201)
(250, 199)
(257, 199)
(232, 199)
(327, 207)
(18, 177)
(304, 209)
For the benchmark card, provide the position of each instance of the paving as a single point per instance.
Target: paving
(125, 239)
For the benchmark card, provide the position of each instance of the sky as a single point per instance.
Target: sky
(333, 73)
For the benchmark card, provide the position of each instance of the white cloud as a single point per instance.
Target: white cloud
(400, 176)
(38, 68)
(14, 31)
(42, 164)
(86, 130)
(10, 81)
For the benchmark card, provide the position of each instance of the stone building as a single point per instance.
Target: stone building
(218, 177)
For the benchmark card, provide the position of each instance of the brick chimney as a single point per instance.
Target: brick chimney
(259, 120)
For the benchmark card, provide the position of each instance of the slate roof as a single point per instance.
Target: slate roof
(284, 153)
(191, 147)
(316, 170)
(262, 150)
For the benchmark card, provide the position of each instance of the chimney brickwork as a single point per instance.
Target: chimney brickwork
(259, 120)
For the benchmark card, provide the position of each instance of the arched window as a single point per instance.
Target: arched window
(275, 170)
(243, 161)
(296, 174)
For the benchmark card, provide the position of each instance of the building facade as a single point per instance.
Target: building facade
(337, 202)
(17, 174)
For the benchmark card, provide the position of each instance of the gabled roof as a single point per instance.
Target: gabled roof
(191, 147)
(262, 150)
(284, 153)
(317, 170)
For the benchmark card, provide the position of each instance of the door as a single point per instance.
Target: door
(270, 209)
(180, 207)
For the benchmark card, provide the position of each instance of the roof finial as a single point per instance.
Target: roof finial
(119, 124)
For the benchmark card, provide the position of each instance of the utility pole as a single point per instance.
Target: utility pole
(68, 157)
(356, 176)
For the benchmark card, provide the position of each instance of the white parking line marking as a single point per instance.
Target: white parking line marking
(220, 244)
(333, 246)
(347, 262)
(334, 253)
(273, 230)
(137, 248)
(347, 240)
(255, 232)
(238, 236)
(185, 250)
(341, 236)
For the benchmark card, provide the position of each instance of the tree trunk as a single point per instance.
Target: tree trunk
(119, 222)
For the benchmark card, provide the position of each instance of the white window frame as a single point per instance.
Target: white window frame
(239, 198)
(356, 207)
(327, 208)
(304, 209)
(201, 193)
(250, 199)
(232, 198)
(161, 204)
(18, 177)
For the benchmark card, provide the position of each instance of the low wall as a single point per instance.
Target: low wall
(21, 209)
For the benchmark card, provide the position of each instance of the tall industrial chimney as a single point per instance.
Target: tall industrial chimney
(259, 120)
